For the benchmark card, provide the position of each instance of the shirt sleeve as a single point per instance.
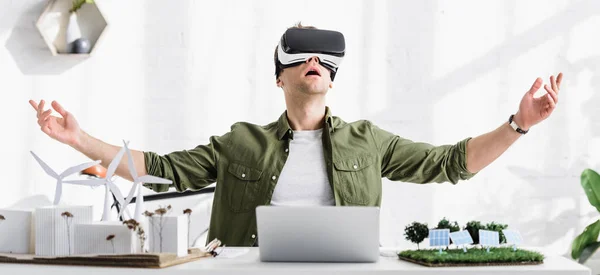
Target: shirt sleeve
(418, 162)
(188, 169)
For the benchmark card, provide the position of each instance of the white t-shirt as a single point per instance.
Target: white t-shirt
(303, 179)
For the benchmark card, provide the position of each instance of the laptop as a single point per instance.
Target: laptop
(318, 233)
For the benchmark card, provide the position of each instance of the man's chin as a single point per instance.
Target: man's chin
(316, 91)
(309, 89)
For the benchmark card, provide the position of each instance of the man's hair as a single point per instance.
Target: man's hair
(278, 65)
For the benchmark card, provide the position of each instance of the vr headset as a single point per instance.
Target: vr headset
(298, 45)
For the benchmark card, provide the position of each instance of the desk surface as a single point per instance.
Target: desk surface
(249, 263)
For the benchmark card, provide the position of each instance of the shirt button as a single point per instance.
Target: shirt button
(243, 175)
(355, 166)
(274, 177)
(253, 236)
(286, 150)
(290, 131)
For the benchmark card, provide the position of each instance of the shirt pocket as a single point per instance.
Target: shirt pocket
(242, 187)
(357, 179)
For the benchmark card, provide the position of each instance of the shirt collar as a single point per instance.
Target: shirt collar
(285, 131)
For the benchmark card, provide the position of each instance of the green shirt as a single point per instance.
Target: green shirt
(246, 163)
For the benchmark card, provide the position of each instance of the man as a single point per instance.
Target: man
(307, 156)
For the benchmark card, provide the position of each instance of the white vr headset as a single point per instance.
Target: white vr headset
(298, 45)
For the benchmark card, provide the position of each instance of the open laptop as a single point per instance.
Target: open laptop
(318, 233)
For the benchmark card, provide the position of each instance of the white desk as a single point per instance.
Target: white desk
(249, 264)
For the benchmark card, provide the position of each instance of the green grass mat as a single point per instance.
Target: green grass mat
(473, 257)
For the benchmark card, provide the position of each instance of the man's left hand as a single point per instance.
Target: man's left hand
(533, 110)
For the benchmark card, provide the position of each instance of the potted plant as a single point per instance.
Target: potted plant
(75, 42)
(586, 244)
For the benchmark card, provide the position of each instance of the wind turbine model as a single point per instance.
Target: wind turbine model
(66, 173)
(109, 186)
(137, 185)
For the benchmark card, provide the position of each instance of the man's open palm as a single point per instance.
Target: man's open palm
(533, 110)
(64, 129)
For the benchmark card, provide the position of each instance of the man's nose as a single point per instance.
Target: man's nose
(313, 59)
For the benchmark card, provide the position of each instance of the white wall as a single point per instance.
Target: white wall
(169, 74)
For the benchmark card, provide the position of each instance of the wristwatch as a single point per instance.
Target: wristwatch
(514, 125)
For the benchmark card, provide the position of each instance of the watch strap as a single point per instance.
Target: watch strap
(516, 127)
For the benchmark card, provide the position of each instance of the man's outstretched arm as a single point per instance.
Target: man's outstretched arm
(484, 149)
(66, 130)
(418, 162)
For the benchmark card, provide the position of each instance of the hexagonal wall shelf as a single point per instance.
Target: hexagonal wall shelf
(53, 22)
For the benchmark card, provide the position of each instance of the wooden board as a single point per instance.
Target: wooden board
(147, 260)
(469, 264)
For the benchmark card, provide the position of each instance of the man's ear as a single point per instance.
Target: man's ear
(331, 85)
(279, 83)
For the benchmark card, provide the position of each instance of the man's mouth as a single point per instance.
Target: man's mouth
(313, 71)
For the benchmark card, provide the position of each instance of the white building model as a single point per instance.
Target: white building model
(168, 234)
(15, 231)
(63, 230)
(54, 224)
(54, 227)
(105, 237)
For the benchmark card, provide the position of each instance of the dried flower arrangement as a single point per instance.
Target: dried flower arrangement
(137, 227)
(188, 212)
(111, 239)
(2, 218)
(161, 212)
(68, 220)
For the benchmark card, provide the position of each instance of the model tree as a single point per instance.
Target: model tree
(446, 224)
(416, 232)
(473, 228)
(493, 226)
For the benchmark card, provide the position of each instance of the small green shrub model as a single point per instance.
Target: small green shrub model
(493, 226)
(446, 224)
(416, 232)
(473, 228)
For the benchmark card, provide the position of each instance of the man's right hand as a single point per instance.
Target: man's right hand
(64, 129)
